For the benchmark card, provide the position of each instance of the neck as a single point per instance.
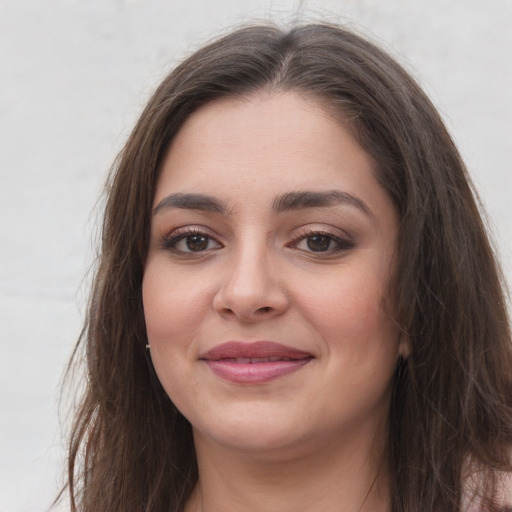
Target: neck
(335, 479)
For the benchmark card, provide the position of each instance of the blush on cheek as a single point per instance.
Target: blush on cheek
(357, 304)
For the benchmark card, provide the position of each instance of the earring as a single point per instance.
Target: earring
(147, 346)
(404, 348)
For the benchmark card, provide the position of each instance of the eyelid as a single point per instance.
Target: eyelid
(322, 229)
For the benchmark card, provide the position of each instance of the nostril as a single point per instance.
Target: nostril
(252, 301)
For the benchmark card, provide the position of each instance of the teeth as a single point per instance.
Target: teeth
(243, 360)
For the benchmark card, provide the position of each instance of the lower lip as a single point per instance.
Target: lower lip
(255, 373)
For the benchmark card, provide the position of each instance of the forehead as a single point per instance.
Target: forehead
(281, 139)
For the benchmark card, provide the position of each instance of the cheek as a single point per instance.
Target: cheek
(345, 302)
(170, 307)
(351, 315)
(170, 314)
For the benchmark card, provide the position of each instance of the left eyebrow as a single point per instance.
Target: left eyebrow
(312, 199)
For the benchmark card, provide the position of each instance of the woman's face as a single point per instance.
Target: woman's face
(266, 287)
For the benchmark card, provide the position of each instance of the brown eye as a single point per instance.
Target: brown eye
(319, 243)
(190, 242)
(196, 243)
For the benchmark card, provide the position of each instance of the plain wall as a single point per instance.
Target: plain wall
(74, 74)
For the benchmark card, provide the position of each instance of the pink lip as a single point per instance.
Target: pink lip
(256, 362)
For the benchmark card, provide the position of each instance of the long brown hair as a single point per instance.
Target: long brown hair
(451, 408)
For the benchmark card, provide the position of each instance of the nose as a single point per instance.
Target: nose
(250, 290)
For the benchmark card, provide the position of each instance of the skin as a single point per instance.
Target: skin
(242, 270)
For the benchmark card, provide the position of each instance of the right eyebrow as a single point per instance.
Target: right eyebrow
(199, 202)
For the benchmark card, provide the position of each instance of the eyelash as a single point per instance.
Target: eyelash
(170, 241)
(342, 244)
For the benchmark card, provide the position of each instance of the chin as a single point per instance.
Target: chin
(263, 436)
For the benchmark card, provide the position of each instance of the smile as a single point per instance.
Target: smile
(256, 362)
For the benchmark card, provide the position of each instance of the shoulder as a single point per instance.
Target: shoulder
(477, 488)
(504, 497)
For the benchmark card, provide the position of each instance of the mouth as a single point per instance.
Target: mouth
(256, 362)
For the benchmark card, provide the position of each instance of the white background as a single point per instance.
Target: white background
(74, 74)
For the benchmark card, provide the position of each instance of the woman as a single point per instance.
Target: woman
(296, 305)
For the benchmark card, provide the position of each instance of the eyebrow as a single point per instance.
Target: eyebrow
(311, 199)
(199, 202)
(285, 202)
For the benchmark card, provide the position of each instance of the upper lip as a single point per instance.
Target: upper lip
(256, 349)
